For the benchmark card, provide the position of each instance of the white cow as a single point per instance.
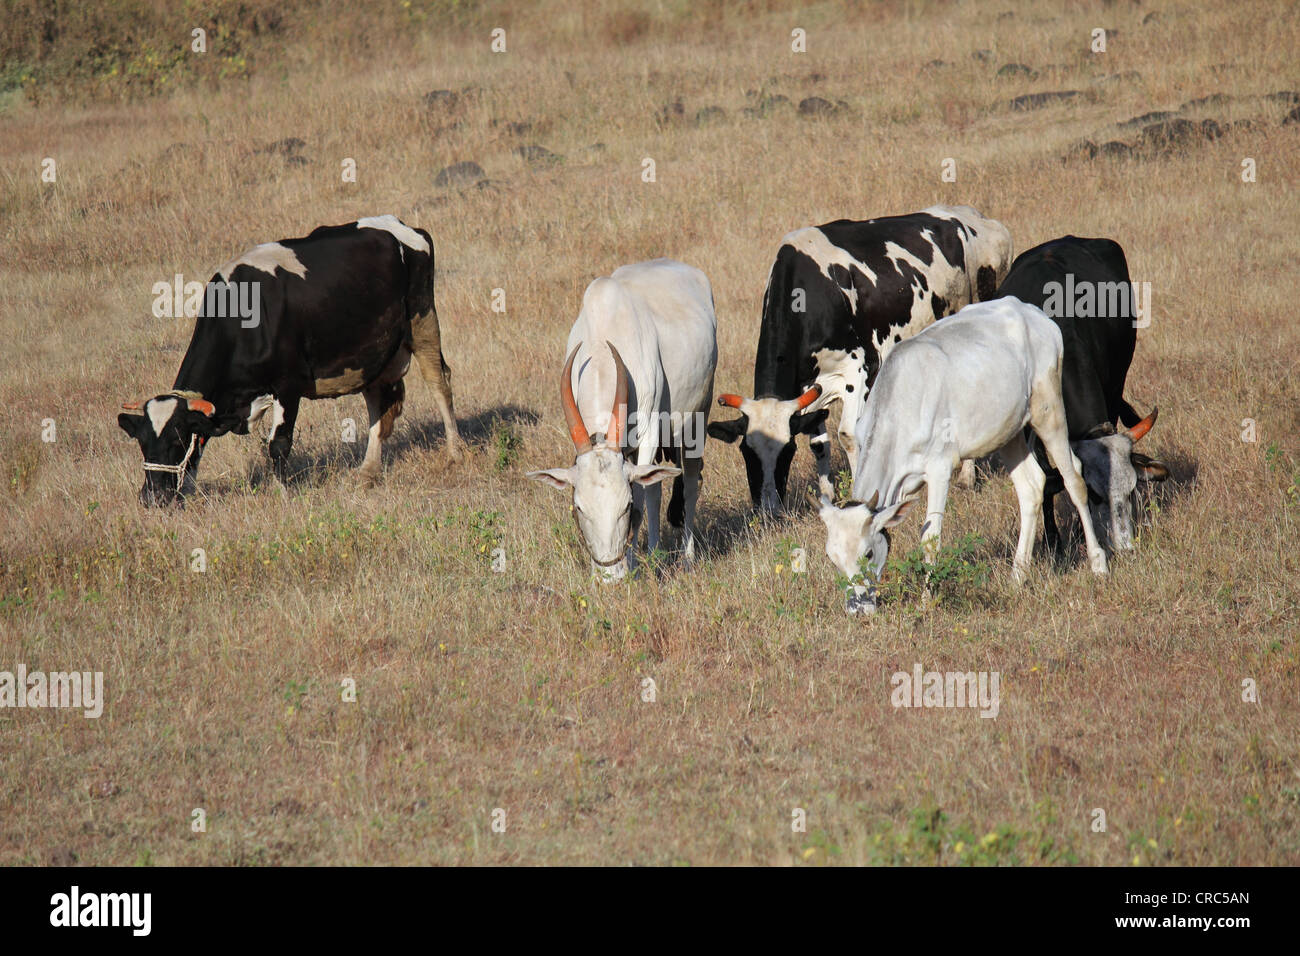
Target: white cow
(961, 389)
(636, 390)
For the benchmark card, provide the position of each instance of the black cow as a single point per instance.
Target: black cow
(839, 297)
(1083, 285)
(336, 312)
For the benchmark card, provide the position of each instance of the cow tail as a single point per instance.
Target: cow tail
(422, 314)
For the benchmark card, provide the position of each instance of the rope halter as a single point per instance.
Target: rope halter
(177, 470)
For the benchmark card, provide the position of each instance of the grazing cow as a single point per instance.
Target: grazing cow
(839, 298)
(960, 390)
(1083, 285)
(336, 312)
(626, 419)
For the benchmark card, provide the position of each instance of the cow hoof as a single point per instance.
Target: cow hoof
(367, 480)
(1099, 563)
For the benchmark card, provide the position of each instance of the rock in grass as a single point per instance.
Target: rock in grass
(536, 155)
(816, 106)
(1032, 101)
(459, 174)
(710, 114)
(1016, 69)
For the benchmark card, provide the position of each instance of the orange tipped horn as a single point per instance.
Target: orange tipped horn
(808, 397)
(131, 407)
(202, 405)
(728, 400)
(573, 417)
(617, 417)
(1139, 430)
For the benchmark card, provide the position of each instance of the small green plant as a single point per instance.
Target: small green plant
(1280, 461)
(654, 562)
(956, 575)
(930, 838)
(505, 445)
(295, 693)
(485, 531)
(790, 557)
(843, 485)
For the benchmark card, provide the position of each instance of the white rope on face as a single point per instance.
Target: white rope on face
(177, 470)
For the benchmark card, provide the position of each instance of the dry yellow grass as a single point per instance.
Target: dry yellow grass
(522, 690)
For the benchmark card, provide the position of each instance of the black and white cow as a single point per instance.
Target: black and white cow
(1083, 285)
(839, 298)
(333, 313)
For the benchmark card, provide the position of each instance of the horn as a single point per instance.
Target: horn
(201, 405)
(1136, 433)
(617, 417)
(808, 397)
(573, 417)
(875, 498)
(728, 400)
(132, 407)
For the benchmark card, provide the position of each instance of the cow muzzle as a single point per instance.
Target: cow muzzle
(859, 599)
(610, 573)
(769, 502)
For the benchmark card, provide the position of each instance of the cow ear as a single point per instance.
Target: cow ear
(802, 423)
(557, 478)
(652, 474)
(130, 423)
(729, 431)
(893, 514)
(1149, 469)
(210, 426)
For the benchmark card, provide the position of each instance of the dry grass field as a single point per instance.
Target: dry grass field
(523, 690)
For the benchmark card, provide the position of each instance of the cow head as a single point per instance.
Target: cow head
(766, 430)
(857, 542)
(601, 478)
(172, 430)
(1112, 469)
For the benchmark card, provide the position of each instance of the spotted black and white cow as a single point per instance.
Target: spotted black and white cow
(636, 390)
(839, 298)
(336, 312)
(1083, 285)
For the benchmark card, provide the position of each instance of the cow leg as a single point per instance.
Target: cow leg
(1051, 534)
(692, 476)
(820, 445)
(851, 399)
(1047, 417)
(936, 501)
(849, 443)
(966, 477)
(634, 524)
(383, 405)
(1029, 482)
(280, 440)
(652, 495)
(427, 345)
